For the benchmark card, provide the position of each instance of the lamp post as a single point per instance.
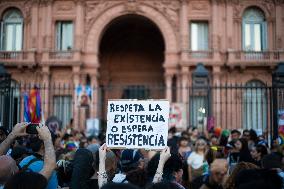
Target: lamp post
(5, 98)
(277, 88)
(200, 88)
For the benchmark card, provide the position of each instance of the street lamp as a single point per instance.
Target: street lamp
(277, 88)
(5, 98)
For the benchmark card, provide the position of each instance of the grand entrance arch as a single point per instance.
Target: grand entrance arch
(109, 18)
(131, 56)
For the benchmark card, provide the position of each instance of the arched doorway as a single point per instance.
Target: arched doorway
(131, 56)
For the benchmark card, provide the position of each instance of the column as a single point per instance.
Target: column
(230, 25)
(279, 26)
(217, 95)
(42, 27)
(169, 81)
(184, 73)
(76, 82)
(45, 91)
(95, 97)
(34, 25)
(214, 25)
(48, 39)
(184, 30)
(79, 26)
(270, 34)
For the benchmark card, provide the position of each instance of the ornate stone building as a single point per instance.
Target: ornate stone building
(139, 43)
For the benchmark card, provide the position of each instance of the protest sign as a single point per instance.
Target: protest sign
(137, 124)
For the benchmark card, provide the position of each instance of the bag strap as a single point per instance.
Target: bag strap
(25, 167)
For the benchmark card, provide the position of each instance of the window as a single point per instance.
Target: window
(12, 30)
(136, 92)
(198, 110)
(254, 106)
(63, 108)
(199, 36)
(254, 30)
(64, 35)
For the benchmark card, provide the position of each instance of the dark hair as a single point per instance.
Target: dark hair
(119, 186)
(261, 149)
(244, 145)
(90, 138)
(193, 128)
(223, 140)
(182, 139)
(35, 144)
(173, 164)
(18, 152)
(153, 165)
(235, 131)
(258, 178)
(272, 161)
(245, 131)
(137, 177)
(66, 136)
(26, 180)
(172, 130)
(253, 135)
(164, 185)
(210, 156)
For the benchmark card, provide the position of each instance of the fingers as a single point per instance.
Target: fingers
(25, 124)
(103, 147)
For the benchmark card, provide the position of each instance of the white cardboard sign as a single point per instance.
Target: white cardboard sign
(137, 124)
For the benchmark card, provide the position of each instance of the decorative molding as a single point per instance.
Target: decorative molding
(169, 8)
(94, 9)
(131, 6)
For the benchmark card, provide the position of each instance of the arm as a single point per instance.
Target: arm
(49, 154)
(165, 155)
(102, 176)
(18, 130)
(189, 173)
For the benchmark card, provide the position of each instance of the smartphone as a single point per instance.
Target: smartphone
(31, 128)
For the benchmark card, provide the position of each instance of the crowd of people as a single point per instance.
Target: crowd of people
(194, 159)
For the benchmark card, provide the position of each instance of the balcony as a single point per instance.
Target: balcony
(209, 57)
(254, 58)
(61, 58)
(18, 58)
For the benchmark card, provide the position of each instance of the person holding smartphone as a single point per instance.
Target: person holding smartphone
(10, 174)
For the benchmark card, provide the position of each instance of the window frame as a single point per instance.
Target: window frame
(208, 33)
(14, 23)
(56, 44)
(263, 29)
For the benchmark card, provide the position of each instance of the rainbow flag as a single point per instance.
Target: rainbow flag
(32, 106)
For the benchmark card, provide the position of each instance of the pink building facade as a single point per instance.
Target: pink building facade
(126, 43)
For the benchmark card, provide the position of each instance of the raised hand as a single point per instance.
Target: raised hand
(20, 129)
(165, 154)
(102, 152)
(43, 132)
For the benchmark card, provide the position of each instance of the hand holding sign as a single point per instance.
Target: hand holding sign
(137, 124)
(165, 155)
(102, 153)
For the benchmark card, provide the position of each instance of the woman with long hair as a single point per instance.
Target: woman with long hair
(196, 161)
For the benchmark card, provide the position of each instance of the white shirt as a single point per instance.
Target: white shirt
(195, 160)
